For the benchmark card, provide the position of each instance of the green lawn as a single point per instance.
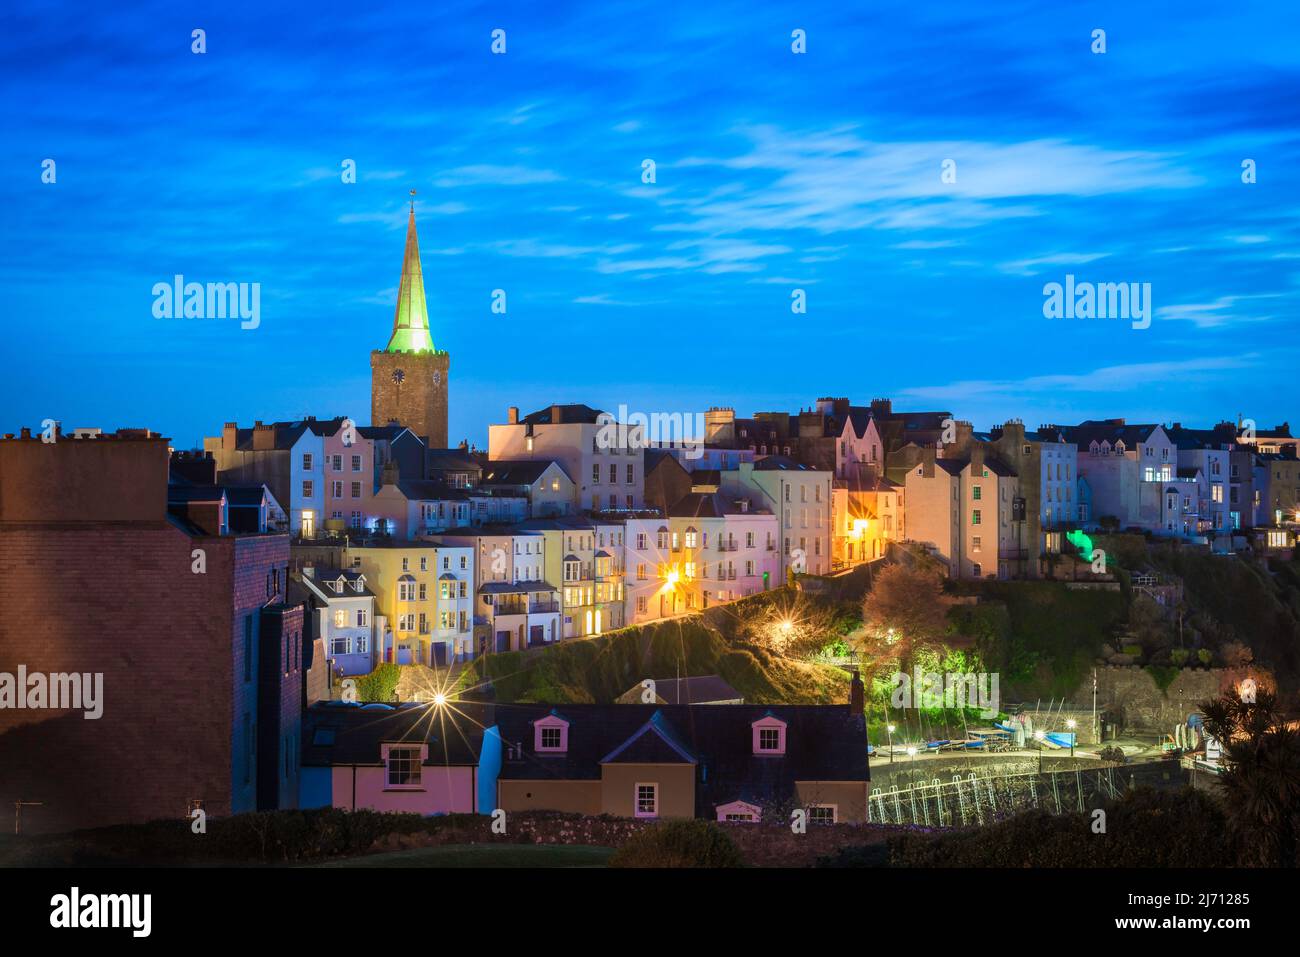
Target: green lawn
(484, 855)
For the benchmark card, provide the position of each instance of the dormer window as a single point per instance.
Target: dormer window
(338, 587)
(551, 735)
(769, 736)
(359, 585)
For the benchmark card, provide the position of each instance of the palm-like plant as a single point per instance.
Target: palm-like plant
(1261, 780)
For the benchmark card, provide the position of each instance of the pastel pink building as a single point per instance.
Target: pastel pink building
(414, 758)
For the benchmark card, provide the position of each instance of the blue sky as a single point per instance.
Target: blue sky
(774, 171)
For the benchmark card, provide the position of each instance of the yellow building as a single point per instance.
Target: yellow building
(425, 590)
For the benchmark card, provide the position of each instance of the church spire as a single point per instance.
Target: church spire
(411, 324)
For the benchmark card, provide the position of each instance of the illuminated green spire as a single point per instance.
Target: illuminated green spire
(411, 324)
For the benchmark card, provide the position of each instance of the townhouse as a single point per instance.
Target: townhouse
(587, 556)
(1046, 499)
(324, 472)
(800, 498)
(602, 458)
(964, 510)
(515, 606)
(340, 611)
(708, 549)
(424, 591)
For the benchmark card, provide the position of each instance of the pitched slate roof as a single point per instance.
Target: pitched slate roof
(563, 415)
(516, 472)
(693, 690)
(823, 743)
(781, 463)
(1106, 430)
(336, 733)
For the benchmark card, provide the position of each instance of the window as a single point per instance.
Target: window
(631, 474)
(361, 618)
(307, 489)
(977, 570)
(336, 489)
(975, 543)
(403, 767)
(424, 563)
(821, 814)
(975, 492)
(356, 489)
(336, 463)
(356, 463)
(975, 516)
(595, 473)
(551, 739)
(647, 800)
(306, 462)
(339, 644)
(340, 618)
(768, 735)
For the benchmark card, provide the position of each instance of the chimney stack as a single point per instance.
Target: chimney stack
(512, 415)
(857, 694)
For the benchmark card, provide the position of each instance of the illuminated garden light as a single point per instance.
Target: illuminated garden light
(439, 699)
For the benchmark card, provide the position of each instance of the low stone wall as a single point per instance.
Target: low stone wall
(761, 845)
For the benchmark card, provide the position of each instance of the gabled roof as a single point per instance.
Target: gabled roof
(1106, 430)
(652, 743)
(781, 463)
(693, 690)
(563, 415)
(516, 472)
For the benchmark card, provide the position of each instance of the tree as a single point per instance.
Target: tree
(1261, 780)
(1236, 655)
(905, 607)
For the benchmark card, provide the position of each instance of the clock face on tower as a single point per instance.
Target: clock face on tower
(398, 376)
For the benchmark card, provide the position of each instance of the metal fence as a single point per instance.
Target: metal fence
(983, 798)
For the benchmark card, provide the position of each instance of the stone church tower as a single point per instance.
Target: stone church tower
(408, 379)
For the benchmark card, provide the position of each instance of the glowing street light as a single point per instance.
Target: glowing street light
(889, 728)
(439, 700)
(1071, 724)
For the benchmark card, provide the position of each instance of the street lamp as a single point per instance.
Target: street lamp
(911, 773)
(1040, 737)
(889, 728)
(1071, 724)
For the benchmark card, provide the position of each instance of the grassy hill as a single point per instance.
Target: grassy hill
(600, 669)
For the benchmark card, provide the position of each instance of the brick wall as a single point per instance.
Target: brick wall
(122, 600)
(418, 402)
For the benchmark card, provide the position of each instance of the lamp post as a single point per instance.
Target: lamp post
(1072, 724)
(1040, 736)
(890, 729)
(911, 773)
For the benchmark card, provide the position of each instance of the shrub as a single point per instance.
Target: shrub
(380, 684)
(1178, 657)
(1205, 656)
(861, 855)
(1145, 828)
(692, 843)
(1112, 753)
